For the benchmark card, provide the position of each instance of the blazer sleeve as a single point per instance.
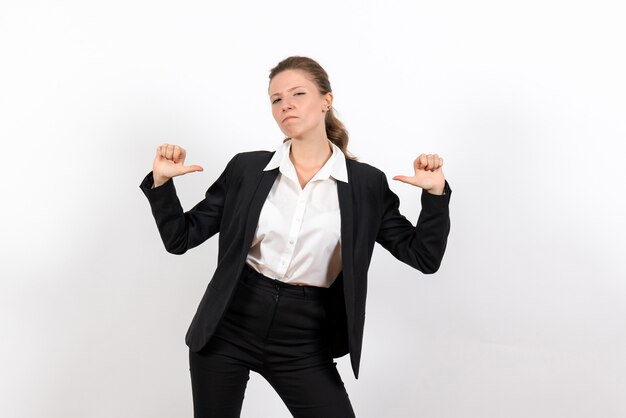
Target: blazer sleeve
(421, 246)
(180, 230)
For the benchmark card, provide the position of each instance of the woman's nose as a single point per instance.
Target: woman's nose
(287, 105)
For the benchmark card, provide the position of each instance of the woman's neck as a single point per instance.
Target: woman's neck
(310, 154)
(308, 157)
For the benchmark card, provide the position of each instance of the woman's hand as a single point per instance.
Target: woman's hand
(169, 162)
(428, 174)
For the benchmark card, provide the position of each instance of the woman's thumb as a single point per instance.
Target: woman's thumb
(403, 179)
(192, 168)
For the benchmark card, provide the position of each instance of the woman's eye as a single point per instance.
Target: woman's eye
(301, 92)
(276, 101)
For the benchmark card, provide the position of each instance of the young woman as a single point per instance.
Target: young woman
(297, 230)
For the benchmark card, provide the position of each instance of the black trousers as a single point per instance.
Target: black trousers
(278, 331)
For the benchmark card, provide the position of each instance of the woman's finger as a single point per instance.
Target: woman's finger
(177, 154)
(431, 162)
(192, 168)
(421, 162)
(404, 179)
(435, 162)
(169, 152)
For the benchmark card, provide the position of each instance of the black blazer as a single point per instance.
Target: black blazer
(369, 214)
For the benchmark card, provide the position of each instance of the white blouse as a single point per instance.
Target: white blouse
(298, 238)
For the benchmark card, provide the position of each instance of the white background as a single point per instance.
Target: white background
(524, 100)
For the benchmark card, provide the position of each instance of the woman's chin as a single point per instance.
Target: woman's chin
(290, 133)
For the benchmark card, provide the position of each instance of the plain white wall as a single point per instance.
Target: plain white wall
(525, 101)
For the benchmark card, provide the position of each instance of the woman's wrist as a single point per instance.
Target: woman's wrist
(436, 190)
(159, 181)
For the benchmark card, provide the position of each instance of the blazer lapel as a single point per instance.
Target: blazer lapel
(266, 180)
(347, 240)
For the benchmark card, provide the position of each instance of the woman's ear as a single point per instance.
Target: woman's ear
(328, 102)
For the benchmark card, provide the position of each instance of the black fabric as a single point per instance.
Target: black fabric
(281, 332)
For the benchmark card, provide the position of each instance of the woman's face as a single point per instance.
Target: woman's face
(297, 105)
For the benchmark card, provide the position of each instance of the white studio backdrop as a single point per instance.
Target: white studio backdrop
(524, 100)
